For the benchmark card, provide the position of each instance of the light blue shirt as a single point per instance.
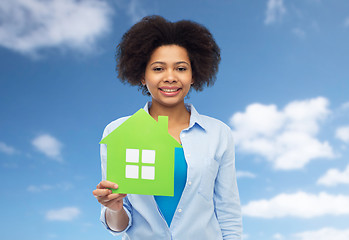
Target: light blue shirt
(209, 208)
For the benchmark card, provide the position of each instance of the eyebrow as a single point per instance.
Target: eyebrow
(159, 62)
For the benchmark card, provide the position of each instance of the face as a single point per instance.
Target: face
(168, 75)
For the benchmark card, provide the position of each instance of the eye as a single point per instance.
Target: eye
(181, 69)
(157, 69)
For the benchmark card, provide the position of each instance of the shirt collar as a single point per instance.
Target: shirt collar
(195, 117)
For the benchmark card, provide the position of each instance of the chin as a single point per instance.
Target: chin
(169, 102)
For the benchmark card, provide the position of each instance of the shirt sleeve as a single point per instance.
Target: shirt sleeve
(127, 205)
(226, 195)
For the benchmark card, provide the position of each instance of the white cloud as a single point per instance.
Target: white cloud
(334, 177)
(278, 236)
(345, 106)
(63, 214)
(300, 204)
(6, 148)
(287, 138)
(135, 11)
(300, 33)
(346, 22)
(49, 146)
(245, 174)
(342, 133)
(10, 165)
(275, 11)
(323, 234)
(30, 25)
(46, 187)
(245, 236)
(52, 236)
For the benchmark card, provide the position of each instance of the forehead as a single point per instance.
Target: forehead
(169, 54)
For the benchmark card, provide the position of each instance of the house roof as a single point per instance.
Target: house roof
(142, 125)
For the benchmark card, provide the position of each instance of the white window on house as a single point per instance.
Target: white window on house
(134, 166)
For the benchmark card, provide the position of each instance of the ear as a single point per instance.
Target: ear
(143, 81)
(192, 81)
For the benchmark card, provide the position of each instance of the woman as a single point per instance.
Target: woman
(166, 60)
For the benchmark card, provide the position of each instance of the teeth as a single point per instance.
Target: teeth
(169, 90)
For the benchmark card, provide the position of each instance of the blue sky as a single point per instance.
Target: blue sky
(282, 86)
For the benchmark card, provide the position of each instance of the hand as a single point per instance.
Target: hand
(104, 195)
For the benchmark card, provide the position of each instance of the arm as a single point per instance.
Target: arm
(115, 215)
(226, 195)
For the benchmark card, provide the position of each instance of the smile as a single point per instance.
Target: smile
(169, 90)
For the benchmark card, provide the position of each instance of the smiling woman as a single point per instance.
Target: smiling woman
(143, 38)
(168, 75)
(165, 60)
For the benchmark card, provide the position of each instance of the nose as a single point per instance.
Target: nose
(170, 76)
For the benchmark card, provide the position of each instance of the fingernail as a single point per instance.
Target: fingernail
(115, 186)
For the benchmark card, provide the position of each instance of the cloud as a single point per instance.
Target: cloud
(135, 11)
(275, 11)
(342, 133)
(346, 22)
(278, 236)
(323, 234)
(300, 205)
(245, 174)
(286, 138)
(345, 106)
(30, 25)
(63, 214)
(299, 32)
(334, 177)
(46, 187)
(6, 149)
(49, 146)
(132, 8)
(52, 236)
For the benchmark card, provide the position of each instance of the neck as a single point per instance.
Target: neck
(177, 114)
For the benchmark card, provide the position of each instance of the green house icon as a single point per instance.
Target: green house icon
(140, 156)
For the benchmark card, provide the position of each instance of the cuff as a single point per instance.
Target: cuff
(104, 221)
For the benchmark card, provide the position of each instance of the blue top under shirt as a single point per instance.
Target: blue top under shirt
(168, 205)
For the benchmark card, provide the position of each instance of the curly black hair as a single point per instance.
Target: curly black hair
(140, 41)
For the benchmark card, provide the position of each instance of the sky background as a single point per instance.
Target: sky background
(282, 87)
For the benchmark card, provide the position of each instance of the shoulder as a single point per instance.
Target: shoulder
(217, 128)
(113, 125)
(212, 125)
(211, 122)
(206, 122)
(218, 135)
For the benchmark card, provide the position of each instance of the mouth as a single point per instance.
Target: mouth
(169, 90)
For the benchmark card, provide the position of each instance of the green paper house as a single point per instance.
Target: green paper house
(140, 156)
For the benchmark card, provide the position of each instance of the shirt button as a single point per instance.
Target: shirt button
(183, 134)
(180, 210)
(189, 183)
